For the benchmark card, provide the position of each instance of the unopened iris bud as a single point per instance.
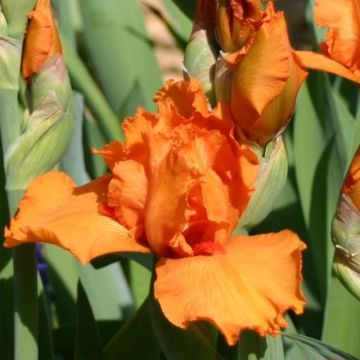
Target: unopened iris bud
(42, 39)
(346, 230)
(270, 181)
(236, 21)
(265, 78)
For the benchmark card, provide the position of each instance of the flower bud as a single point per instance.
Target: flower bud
(42, 39)
(236, 21)
(265, 84)
(346, 230)
(269, 183)
(47, 129)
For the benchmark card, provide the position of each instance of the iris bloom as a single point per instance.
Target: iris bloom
(341, 46)
(177, 188)
(42, 40)
(266, 77)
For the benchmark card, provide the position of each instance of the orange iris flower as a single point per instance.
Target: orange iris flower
(177, 188)
(266, 76)
(351, 185)
(42, 40)
(341, 47)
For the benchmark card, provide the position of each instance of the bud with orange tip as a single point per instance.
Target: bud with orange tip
(346, 230)
(265, 77)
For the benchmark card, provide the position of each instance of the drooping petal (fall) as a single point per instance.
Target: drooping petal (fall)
(55, 211)
(248, 286)
(311, 60)
(42, 39)
(342, 18)
(341, 46)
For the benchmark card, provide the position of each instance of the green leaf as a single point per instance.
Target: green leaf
(178, 344)
(6, 277)
(181, 13)
(309, 348)
(107, 291)
(253, 347)
(93, 138)
(342, 319)
(120, 50)
(82, 81)
(46, 346)
(140, 278)
(311, 158)
(63, 277)
(87, 338)
(135, 339)
(186, 7)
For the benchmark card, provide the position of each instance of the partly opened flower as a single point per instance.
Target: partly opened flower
(264, 78)
(42, 40)
(341, 46)
(346, 229)
(177, 188)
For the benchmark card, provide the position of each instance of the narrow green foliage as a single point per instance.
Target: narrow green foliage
(119, 64)
(95, 100)
(308, 348)
(342, 319)
(178, 344)
(87, 338)
(135, 340)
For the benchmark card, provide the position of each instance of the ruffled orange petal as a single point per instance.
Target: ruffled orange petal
(111, 153)
(42, 39)
(250, 286)
(55, 211)
(310, 60)
(127, 193)
(167, 201)
(186, 98)
(342, 18)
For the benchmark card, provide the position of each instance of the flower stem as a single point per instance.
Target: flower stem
(25, 278)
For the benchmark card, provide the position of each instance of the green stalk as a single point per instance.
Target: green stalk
(25, 283)
(14, 19)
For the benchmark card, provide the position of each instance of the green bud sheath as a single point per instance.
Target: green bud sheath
(48, 129)
(199, 61)
(268, 185)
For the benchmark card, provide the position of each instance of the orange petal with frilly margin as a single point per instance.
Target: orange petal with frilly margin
(185, 97)
(250, 286)
(342, 19)
(111, 153)
(42, 39)
(311, 60)
(53, 210)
